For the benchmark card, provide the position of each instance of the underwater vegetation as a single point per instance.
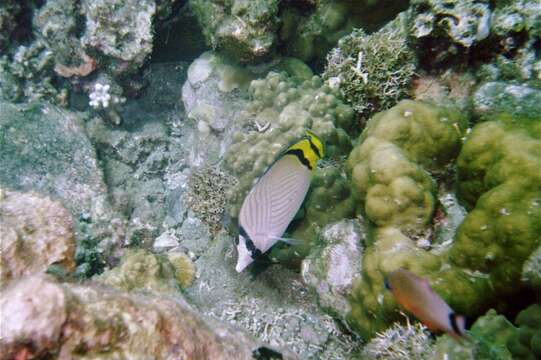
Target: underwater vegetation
(143, 145)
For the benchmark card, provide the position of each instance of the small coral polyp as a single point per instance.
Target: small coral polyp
(392, 169)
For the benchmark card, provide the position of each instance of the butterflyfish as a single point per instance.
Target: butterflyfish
(275, 198)
(415, 295)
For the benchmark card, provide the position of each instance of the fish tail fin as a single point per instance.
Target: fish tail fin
(289, 241)
(458, 324)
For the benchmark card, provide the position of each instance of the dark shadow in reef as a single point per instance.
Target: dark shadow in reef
(179, 38)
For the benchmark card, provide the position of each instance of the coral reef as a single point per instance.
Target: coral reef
(492, 336)
(37, 232)
(309, 35)
(27, 75)
(493, 98)
(245, 30)
(216, 94)
(515, 28)
(389, 167)
(72, 40)
(254, 31)
(496, 179)
(43, 318)
(498, 174)
(121, 30)
(372, 71)
(143, 271)
(283, 108)
(9, 10)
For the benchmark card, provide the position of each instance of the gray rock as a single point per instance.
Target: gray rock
(502, 97)
(272, 305)
(332, 269)
(101, 320)
(45, 148)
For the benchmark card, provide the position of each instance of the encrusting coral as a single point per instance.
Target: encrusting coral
(142, 270)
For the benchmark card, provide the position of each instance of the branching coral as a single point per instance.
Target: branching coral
(373, 71)
(206, 195)
(400, 342)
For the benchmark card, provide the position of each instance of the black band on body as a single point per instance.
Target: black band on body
(454, 325)
(254, 252)
(314, 147)
(300, 155)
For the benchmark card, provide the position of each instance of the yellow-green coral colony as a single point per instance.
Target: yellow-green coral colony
(392, 170)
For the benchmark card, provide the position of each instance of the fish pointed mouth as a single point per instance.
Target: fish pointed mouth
(244, 256)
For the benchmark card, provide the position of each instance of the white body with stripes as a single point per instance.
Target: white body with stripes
(270, 206)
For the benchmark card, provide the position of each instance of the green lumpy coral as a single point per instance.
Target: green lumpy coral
(526, 341)
(391, 169)
(390, 166)
(497, 176)
(498, 173)
(487, 340)
(372, 71)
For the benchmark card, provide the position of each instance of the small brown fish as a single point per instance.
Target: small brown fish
(415, 295)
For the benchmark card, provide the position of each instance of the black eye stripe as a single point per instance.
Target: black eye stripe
(454, 325)
(254, 252)
(300, 155)
(314, 147)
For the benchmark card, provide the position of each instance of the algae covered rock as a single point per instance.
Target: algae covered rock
(45, 148)
(144, 271)
(43, 318)
(332, 267)
(493, 98)
(243, 29)
(37, 232)
(120, 29)
(372, 72)
(464, 22)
